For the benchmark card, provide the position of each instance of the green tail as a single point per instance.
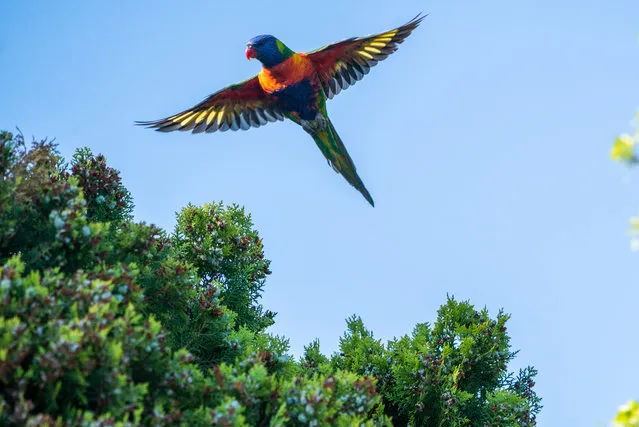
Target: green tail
(335, 152)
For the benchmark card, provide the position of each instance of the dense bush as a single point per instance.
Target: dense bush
(107, 321)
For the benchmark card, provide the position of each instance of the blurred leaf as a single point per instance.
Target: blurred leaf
(628, 415)
(623, 149)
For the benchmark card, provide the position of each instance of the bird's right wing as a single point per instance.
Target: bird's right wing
(239, 106)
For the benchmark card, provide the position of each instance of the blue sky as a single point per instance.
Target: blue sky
(484, 141)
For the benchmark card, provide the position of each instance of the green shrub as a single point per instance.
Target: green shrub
(453, 373)
(106, 321)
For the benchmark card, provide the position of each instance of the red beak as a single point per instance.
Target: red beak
(250, 52)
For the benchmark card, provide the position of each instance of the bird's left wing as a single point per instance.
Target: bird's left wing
(239, 106)
(340, 65)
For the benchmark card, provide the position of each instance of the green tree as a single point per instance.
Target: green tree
(451, 373)
(107, 199)
(108, 321)
(227, 254)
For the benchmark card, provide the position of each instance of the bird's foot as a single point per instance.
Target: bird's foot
(307, 125)
(312, 126)
(321, 121)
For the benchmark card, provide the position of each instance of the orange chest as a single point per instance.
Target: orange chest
(293, 70)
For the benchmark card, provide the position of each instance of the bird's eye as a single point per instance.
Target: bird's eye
(261, 43)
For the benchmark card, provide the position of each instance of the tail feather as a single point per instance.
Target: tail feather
(335, 152)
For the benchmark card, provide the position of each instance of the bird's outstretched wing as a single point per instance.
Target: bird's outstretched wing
(340, 65)
(239, 106)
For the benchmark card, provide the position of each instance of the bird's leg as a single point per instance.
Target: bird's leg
(320, 120)
(307, 125)
(318, 123)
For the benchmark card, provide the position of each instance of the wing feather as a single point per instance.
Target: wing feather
(236, 107)
(340, 65)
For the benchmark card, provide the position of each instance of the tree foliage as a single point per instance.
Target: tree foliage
(108, 321)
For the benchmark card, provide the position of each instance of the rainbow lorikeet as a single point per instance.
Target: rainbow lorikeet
(294, 86)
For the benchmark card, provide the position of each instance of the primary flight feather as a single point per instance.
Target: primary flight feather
(294, 86)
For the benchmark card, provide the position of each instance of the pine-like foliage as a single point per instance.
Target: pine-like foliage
(106, 321)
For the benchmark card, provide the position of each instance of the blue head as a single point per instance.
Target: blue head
(268, 50)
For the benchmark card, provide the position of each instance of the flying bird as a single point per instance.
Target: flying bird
(294, 86)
